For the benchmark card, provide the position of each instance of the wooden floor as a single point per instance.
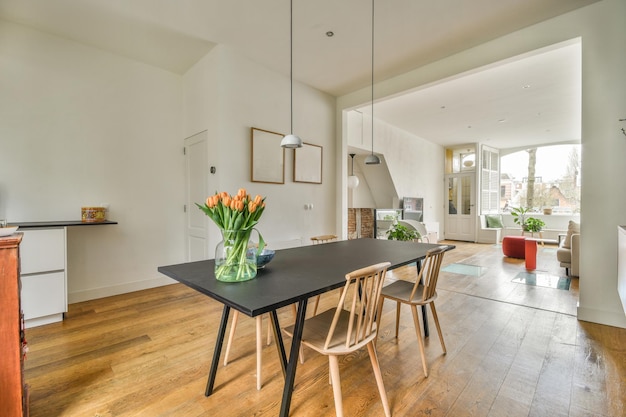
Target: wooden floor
(513, 350)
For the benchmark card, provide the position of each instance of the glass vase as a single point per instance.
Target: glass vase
(235, 257)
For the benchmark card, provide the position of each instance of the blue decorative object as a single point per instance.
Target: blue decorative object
(264, 258)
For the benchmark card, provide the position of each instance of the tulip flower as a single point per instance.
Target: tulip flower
(236, 216)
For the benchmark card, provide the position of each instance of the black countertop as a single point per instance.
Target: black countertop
(34, 225)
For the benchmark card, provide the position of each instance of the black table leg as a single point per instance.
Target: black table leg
(293, 358)
(418, 264)
(280, 346)
(218, 351)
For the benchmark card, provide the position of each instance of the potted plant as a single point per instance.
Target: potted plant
(529, 224)
(401, 232)
(533, 225)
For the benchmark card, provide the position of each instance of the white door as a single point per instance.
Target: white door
(199, 180)
(460, 214)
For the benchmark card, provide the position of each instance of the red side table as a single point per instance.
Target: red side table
(530, 249)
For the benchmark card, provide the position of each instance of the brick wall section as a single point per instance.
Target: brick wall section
(367, 222)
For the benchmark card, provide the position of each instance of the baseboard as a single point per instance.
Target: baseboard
(41, 321)
(95, 293)
(608, 318)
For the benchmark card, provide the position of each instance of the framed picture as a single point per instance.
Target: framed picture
(307, 164)
(267, 160)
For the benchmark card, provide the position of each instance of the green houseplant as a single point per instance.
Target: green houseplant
(401, 232)
(533, 225)
(529, 224)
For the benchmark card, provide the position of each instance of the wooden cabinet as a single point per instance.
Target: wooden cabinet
(13, 396)
(44, 278)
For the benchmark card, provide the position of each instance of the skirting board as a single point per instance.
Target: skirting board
(608, 318)
(95, 293)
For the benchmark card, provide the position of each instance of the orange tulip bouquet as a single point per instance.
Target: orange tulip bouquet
(236, 217)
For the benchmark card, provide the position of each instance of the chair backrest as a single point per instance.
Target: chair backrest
(362, 290)
(429, 273)
(323, 239)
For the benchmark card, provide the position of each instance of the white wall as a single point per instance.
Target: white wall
(80, 126)
(415, 167)
(603, 32)
(244, 94)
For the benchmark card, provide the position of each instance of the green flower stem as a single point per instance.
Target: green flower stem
(236, 264)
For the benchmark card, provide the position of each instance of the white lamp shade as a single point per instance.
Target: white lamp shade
(372, 159)
(291, 141)
(353, 182)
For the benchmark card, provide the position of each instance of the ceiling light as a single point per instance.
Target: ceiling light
(291, 140)
(371, 158)
(353, 180)
(330, 33)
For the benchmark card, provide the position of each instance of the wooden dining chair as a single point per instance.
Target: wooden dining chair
(340, 331)
(421, 292)
(316, 241)
(323, 239)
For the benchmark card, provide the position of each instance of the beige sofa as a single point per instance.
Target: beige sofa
(568, 253)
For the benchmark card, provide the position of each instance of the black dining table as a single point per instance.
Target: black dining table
(293, 276)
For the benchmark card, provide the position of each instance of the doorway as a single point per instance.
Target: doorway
(460, 218)
(198, 181)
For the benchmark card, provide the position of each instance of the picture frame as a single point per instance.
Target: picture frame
(307, 164)
(267, 158)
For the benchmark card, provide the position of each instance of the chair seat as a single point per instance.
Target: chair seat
(401, 291)
(316, 331)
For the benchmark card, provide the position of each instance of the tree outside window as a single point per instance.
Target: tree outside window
(542, 177)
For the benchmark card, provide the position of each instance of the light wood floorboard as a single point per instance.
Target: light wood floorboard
(513, 350)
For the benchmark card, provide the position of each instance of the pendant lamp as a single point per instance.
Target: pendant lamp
(371, 158)
(353, 180)
(291, 140)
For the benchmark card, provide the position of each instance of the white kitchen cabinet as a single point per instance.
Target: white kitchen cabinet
(44, 275)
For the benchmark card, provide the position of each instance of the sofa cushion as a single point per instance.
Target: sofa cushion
(494, 221)
(564, 255)
(572, 228)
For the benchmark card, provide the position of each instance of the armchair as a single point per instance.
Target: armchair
(568, 253)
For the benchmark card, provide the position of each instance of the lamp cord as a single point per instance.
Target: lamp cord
(291, 61)
(372, 77)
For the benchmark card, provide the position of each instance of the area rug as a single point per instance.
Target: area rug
(464, 269)
(542, 280)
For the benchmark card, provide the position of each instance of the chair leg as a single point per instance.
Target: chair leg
(379, 378)
(317, 303)
(397, 317)
(231, 335)
(420, 339)
(443, 345)
(259, 347)
(336, 382)
(259, 344)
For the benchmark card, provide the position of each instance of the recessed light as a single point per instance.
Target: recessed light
(442, 107)
(501, 120)
(330, 33)
(526, 86)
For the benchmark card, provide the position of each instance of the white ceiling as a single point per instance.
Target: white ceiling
(409, 33)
